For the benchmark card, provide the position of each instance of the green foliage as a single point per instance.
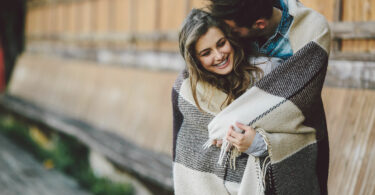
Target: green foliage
(67, 155)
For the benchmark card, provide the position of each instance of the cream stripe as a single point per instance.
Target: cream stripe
(244, 109)
(203, 91)
(308, 25)
(191, 182)
(251, 180)
(285, 132)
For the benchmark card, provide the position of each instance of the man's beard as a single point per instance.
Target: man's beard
(247, 44)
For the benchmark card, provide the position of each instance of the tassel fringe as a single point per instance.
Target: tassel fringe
(225, 150)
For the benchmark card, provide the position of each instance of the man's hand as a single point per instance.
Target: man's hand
(242, 141)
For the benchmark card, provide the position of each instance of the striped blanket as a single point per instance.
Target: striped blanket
(285, 106)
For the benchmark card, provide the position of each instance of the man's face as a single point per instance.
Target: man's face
(242, 32)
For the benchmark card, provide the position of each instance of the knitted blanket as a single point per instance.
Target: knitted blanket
(285, 107)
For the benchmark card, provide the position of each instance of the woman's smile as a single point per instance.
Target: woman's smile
(223, 64)
(215, 52)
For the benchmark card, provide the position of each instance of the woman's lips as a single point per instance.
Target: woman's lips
(223, 65)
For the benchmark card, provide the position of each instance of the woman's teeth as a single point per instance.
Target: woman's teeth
(222, 63)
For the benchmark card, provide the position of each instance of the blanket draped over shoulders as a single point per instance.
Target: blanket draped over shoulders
(285, 106)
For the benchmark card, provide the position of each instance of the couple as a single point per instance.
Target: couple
(247, 111)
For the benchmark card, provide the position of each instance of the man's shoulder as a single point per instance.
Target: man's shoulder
(308, 25)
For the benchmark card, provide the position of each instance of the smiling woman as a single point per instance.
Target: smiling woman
(215, 52)
(217, 72)
(215, 57)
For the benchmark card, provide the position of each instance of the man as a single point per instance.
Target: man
(271, 24)
(280, 28)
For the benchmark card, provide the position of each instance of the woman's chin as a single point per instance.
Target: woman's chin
(224, 70)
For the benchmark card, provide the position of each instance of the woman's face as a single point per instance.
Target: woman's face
(214, 52)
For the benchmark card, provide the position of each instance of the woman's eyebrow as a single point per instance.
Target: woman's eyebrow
(217, 42)
(204, 50)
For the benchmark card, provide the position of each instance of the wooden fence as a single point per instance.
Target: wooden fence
(153, 24)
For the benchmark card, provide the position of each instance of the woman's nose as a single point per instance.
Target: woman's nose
(218, 55)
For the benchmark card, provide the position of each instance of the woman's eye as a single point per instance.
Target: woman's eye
(205, 53)
(221, 43)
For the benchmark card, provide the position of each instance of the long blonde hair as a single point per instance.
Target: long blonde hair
(233, 84)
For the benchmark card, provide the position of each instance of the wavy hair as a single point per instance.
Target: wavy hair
(233, 84)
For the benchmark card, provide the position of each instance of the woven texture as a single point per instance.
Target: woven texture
(289, 114)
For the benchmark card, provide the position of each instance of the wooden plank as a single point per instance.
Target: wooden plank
(351, 74)
(102, 16)
(340, 30)
(22, 174)
(338, 9)
(172, 14)
(145, 16)
(337, 17)
(122, 17)
(60, 19)
(30, 22)
(148, 166)
(366, 171)
(325, 7)
(351, 123)
(112, 15)
(114, 37)
(353, 56)
(79, 11)
(86, 16)
(187, 7)
(353, 30)
(70, 18)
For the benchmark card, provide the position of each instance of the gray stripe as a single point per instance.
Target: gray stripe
(297, 173)
(179, 80)
(309, 101)
(192, 136)
(293, 74)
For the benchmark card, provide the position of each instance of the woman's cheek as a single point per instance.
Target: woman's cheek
(207, 62)
(228, 48)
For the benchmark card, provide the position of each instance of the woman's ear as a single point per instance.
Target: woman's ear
(260, 24)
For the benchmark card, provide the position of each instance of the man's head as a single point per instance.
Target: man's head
(248, 18)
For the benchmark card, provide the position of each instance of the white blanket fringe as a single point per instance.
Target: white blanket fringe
(226, 148)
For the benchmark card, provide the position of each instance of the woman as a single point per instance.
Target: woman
(214, 60)
(284, 108)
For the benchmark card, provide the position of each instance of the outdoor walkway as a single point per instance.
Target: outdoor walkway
(134, 104)
(20, 174)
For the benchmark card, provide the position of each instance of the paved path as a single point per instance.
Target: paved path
(21, 174)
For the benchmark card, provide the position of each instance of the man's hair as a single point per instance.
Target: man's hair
(243, 12)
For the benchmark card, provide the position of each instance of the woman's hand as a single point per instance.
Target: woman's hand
(242, 141)
(217, 143)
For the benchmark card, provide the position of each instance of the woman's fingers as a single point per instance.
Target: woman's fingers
(244, 127)
(240, 147)
(234, 134)
(242, 141)
(217, 143)
(232, 140)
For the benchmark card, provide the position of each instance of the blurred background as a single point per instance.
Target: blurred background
(101, 73)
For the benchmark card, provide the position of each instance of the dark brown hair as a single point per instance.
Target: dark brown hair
(243, 12)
